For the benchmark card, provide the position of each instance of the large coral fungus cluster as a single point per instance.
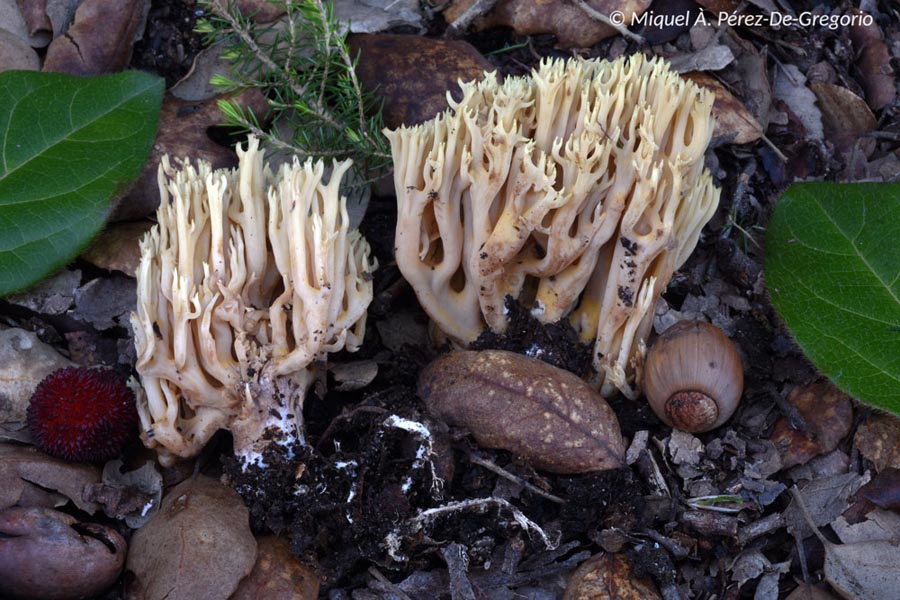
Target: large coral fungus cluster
(577, 190)
(249, 279)
(82, 414)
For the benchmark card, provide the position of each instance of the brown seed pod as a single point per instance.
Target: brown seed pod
(547, 415)
(693, 376)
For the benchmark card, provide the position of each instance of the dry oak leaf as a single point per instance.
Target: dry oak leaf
(608, 577)
(35, 14)
(873, 59)
(878, 439)
(734, 123)
(829, 416)
(28, 477)
(277, 575)
(16, 55)
(547, 415)
(117, 248)
(183, 127)
(413, 74)
(99, 40)
(198, 545)
(845, 116)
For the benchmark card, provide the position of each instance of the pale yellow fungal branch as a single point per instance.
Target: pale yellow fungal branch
(577, 190)
(248, 281)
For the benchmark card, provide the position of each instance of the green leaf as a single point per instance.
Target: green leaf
(68, 146)
(833, 273)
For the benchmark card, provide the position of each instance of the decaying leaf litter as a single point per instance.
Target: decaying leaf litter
(395, 503)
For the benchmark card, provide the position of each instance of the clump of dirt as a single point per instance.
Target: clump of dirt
(170, 43)
(556, 344)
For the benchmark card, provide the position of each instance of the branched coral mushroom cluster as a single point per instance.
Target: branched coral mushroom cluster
(249, 279)
(577, 190)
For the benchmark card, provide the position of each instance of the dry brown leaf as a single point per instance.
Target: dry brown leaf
(354, 375)
(395, 67)
(198, 545)
(16, 55)
(549, 416)
(43, 552)
(878, 440)
(195, 85)
(100, 39)
(874, 62)
(791, 88)
(182, 133)
(879, 525)
(868, 570)
(863, 571)
(278, 575)
(26, 361)
(883, 490)
(825, 498)
(845, 116)
(13, 21)
(608, 577)
(35, 14)
(719, 6)
(734, 123)
(749, 76)
(262, 11)
(117, 248)
(571, 25)
(133, 496)
(828, 414)
(25, 472)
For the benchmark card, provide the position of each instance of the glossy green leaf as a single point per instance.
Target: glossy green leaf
(68, 146)
(833, 273)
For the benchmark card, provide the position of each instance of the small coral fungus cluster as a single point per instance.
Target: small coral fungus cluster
(577, 190)
(249, 280)
(81, 414)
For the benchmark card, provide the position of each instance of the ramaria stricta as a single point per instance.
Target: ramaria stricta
(82, 414)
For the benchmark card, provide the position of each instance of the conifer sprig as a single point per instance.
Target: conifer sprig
(303, 66)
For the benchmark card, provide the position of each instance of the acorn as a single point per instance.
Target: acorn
(693, 376)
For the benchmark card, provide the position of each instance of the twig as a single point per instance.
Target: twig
(524, 522)
(462, 22)
(599, 16)
(495, 468)
(374, 572)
